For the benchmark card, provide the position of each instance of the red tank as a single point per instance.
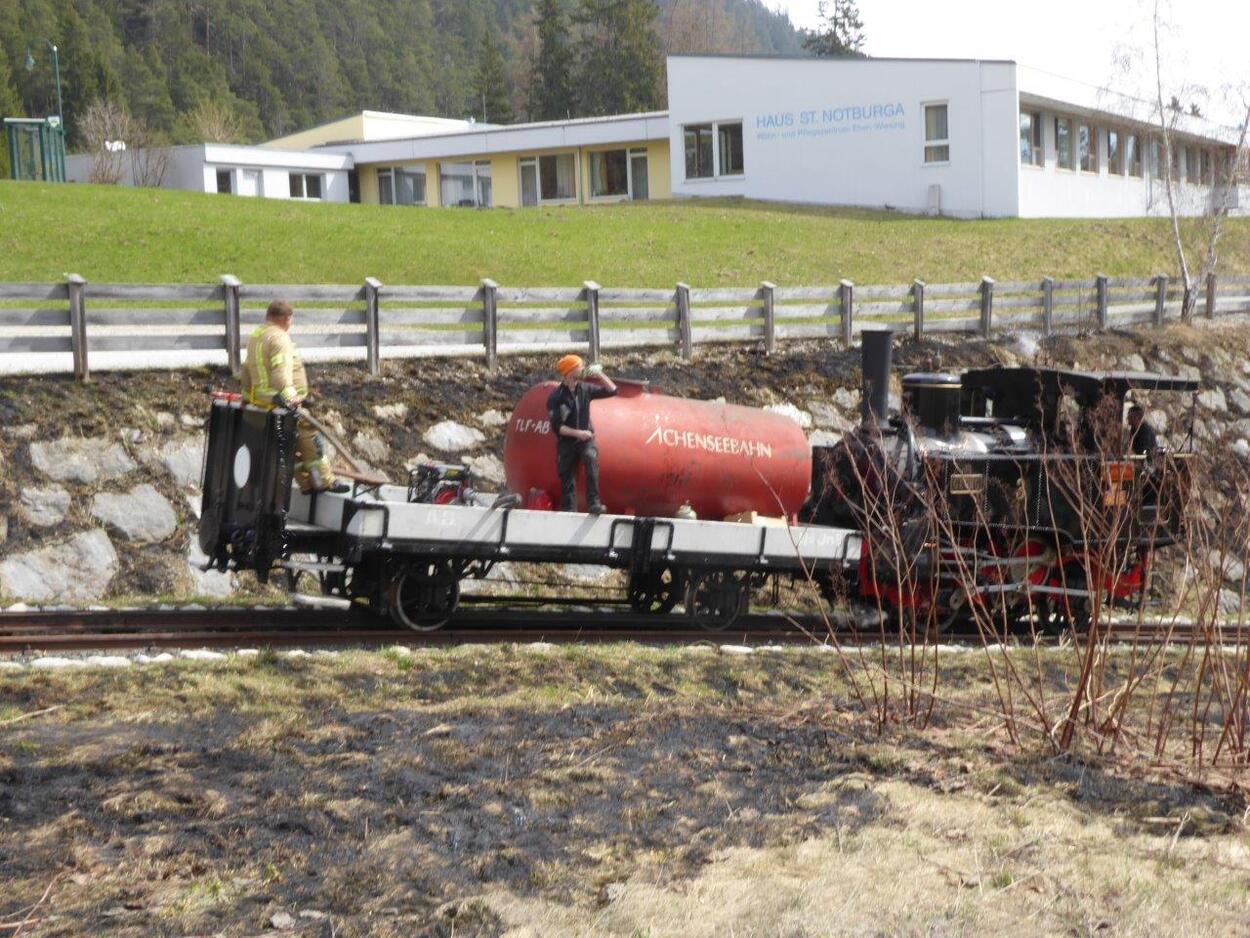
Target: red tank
(658, 452)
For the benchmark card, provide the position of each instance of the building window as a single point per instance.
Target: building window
(465, 184)
(1132, 154)
(225, 181)
(1087, 147)
(1156, 158)
(1031, 152)
(305, 185)
(1178, 163)
(1063, 143)
(1204, 167)
(729, 149)
(557, 177)
(699, 152)
(1115, 153)
(609, 174)
(401, 186)
(937, 147)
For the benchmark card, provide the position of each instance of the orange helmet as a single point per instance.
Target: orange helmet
(568, 364)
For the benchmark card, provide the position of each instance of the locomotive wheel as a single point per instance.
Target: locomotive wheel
(1056, 614)
(716, 598)
(423, 596)
(657, 592)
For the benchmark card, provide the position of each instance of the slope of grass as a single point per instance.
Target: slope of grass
(114, 234)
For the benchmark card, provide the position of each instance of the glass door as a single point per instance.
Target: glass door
(529, 182)
(638, 175)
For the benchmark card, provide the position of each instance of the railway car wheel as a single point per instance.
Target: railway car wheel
(423, 596)
(716, 598)
(657, 592)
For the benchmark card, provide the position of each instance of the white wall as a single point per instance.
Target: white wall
(803, 142)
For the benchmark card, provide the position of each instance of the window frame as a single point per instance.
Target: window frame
(1115, 154)
(535, 160)
(392, 174)
(1134, 162)
(303, 177)
(1037, 140)
(228, 175)
(631, 153)
(935, 143)
(474, 165)
(714, 129)
(721, 172)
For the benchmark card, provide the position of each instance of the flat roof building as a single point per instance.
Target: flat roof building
(957, 137)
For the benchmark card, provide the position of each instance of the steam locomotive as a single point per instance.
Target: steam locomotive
(1001, 492)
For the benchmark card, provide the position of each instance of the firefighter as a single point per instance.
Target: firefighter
(273, 376)
(569, 409)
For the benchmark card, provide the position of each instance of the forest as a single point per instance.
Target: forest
(262, 68)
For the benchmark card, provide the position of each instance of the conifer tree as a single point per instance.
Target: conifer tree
(619, 69)
(492, 101)
(842, 34)
(551, 91)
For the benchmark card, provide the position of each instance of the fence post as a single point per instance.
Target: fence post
(917, 306)
(1210, 310)
(987, 306)
(490, 320)
(234, 331)
(684, 334)
(591, 291)
(846, 302)
(767, 295)
(1100, 300)
(76, 287)
(373, 338)
(1161, 297)
(1048, 305)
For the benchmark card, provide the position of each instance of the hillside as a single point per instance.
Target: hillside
(133, 235)
(289, 64)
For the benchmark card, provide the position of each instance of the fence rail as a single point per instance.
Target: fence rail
(76, 318)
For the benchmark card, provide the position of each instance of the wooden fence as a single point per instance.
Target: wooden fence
(81, 318)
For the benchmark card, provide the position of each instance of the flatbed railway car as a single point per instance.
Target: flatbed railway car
(381, 547)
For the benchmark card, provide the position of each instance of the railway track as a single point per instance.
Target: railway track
(273, 626)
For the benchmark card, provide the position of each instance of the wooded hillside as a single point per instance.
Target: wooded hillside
(283, 65)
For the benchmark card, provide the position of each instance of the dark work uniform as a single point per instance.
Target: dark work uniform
(572, 409)
(1145, 441)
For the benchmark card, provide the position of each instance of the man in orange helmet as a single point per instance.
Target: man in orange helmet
(569, 409)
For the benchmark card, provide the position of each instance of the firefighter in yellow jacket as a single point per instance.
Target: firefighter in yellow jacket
(273, 375)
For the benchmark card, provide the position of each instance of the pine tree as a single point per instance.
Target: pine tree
(10, 106)
(552, 94)
(843, 32)
(491, 87)
(619, 70)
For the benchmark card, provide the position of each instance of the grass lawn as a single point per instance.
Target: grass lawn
(115, 234)
(550, 792)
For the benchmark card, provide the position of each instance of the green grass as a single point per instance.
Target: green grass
(126, 235)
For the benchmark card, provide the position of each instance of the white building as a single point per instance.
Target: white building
(964, 138)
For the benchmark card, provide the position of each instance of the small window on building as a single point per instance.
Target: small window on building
(1087, 147)
(485, 191)
(1156, 158)
(305, 185)
(557, 177)
(1132, 154)
(1031, 152)
(1178, 163)
(225, 181)
(936, 134)
(1115, 153)
(1204, 167)
(609, 174)
(729, 146)
(1063, 143)
(400, 186)
(698, 142)
(467, 185)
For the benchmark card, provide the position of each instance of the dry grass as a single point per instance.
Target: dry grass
(615, 791)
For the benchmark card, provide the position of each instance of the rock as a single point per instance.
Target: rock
(824, 438)
(369, 446)
(1133, 362)
(827, 417)
(166, 421)
(76, 570)
(611, 892)
(212, 584)
(1240, 400)
(492, 418)
(1027, 345)
(396, 412)
(1242, 448)
(182, 459)
(193, 500)
(452, 437)
(4, 528)
(486, 467)
(1232, 570)
(282, 921)
(43, 507)
(107, 661)
(801, 417)
(1229, 602)
(23, 431)
(846, 399)
(312, 915)
(88, 460)
(163, 658)
(10, 666)
(1213, 399)
(142, 514)
(201, 654)
(188, 420)
(586, 572)
(53, 663)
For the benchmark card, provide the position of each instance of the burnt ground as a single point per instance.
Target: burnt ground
(609, 791)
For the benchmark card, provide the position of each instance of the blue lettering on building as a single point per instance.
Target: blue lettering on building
(829, 121)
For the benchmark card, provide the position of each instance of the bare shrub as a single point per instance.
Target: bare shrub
(215, 122)
(149, 157)
(107, 128)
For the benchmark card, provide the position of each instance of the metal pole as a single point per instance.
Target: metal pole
(60, 113)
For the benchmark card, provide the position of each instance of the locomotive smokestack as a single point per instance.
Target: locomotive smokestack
(878, 350)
